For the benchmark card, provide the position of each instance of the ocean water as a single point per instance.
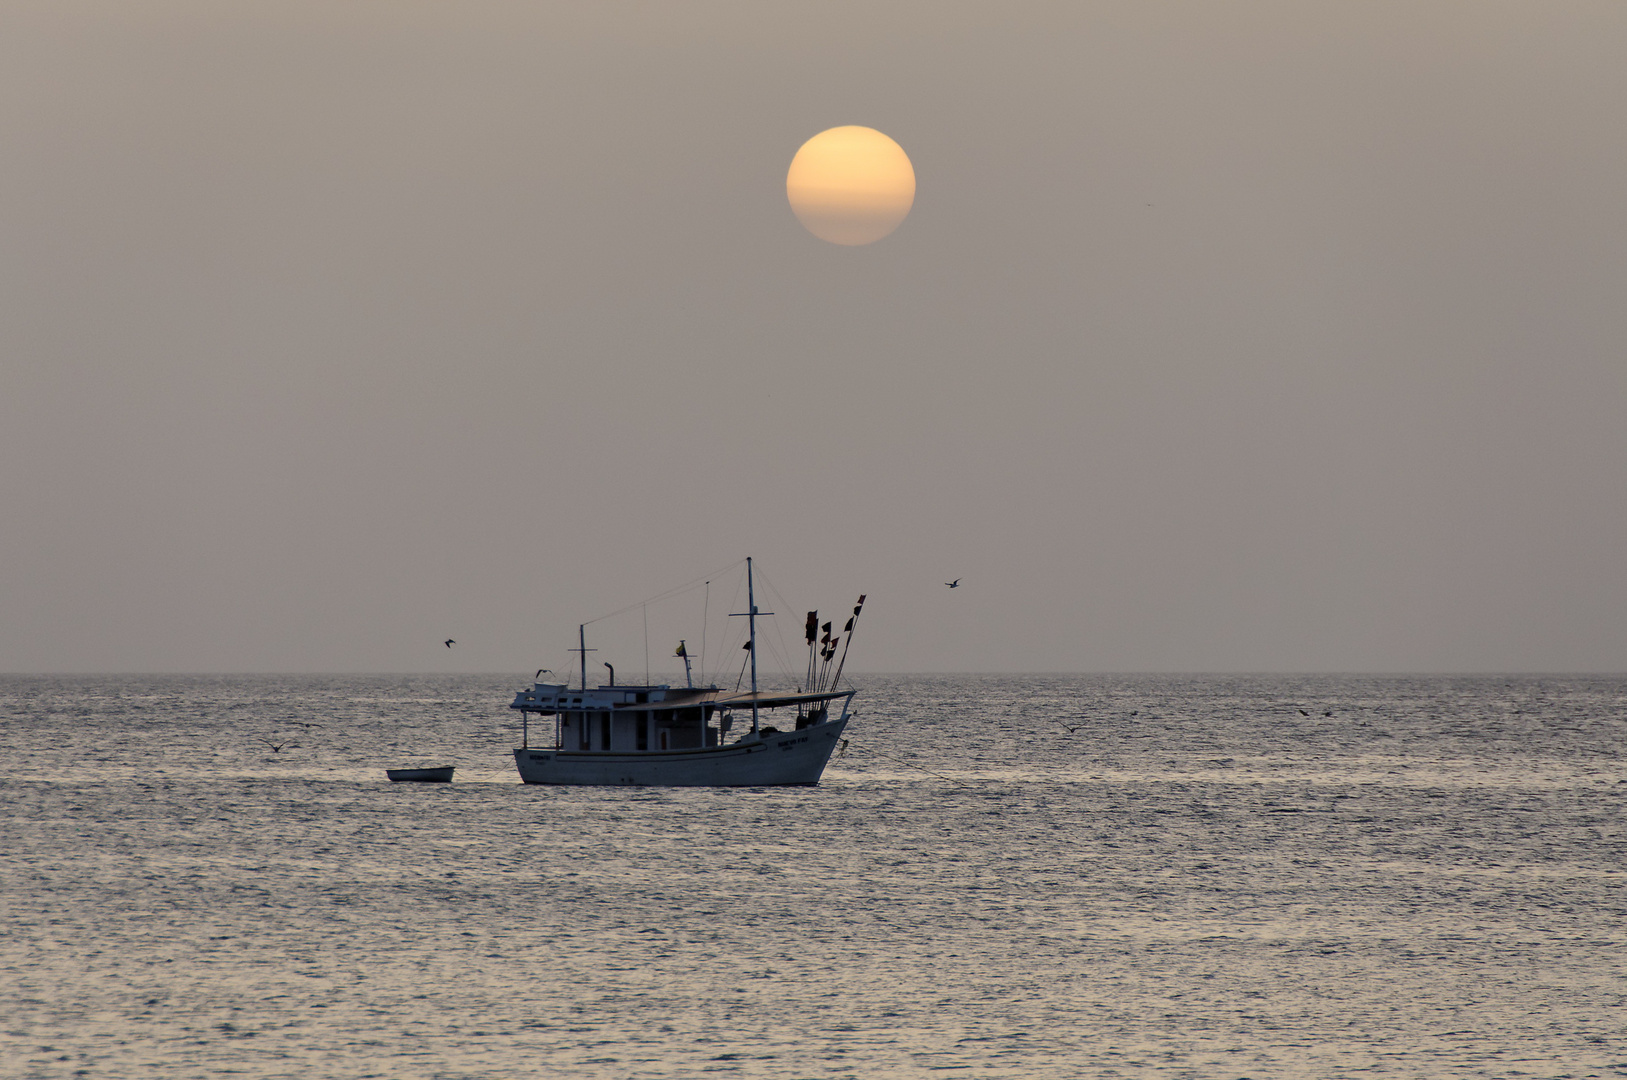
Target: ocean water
(1002, 876)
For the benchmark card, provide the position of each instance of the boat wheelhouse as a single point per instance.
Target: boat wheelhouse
(662, 735)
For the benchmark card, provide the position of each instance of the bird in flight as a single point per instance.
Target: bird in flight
(1302, 712)
(450, 643)
(1071, 730)
(276, 748)
(953, 584)
(540, 670)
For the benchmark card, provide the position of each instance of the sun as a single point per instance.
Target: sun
(851, 185)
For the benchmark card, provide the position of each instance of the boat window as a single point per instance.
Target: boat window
(604, 730)
(642, 724)
(585, 741)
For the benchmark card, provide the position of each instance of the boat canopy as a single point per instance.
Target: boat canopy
(775, 701)
(718, 699)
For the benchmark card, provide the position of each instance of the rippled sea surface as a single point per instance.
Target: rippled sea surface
(1003, 876)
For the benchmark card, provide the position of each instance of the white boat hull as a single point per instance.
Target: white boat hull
(785, 757)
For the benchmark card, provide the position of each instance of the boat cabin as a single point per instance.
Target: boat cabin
(624, 718)
(630, 719)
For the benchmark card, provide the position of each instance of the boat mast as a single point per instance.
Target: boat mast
(582, 647)
(751, 621)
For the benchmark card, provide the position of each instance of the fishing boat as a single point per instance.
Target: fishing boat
(435, 774)
(669, 736)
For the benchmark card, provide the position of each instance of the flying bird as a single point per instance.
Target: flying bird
(1302, 712)
(540, 671)
(953, 584)
(276, 748)
(450, 643)
(1071, 730)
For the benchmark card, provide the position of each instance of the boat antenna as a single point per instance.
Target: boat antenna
(856, 609)
(582, 647)
(811, 630)
(827, 649)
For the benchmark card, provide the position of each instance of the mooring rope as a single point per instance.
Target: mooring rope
(901, 761)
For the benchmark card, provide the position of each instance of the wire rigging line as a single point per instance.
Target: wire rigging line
(910, 764)
(782, 655)
(773, 644)
(736, 631)
(677, 590)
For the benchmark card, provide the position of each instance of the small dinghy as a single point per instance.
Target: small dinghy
(441, 774)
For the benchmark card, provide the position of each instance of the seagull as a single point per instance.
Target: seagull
(953, 584)
(450, 643)
(1328, 713)
(276, 748)
(1071, 730)
(1302, 712)
(540, 670)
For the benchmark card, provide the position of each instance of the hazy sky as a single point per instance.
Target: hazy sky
(1244, 336)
